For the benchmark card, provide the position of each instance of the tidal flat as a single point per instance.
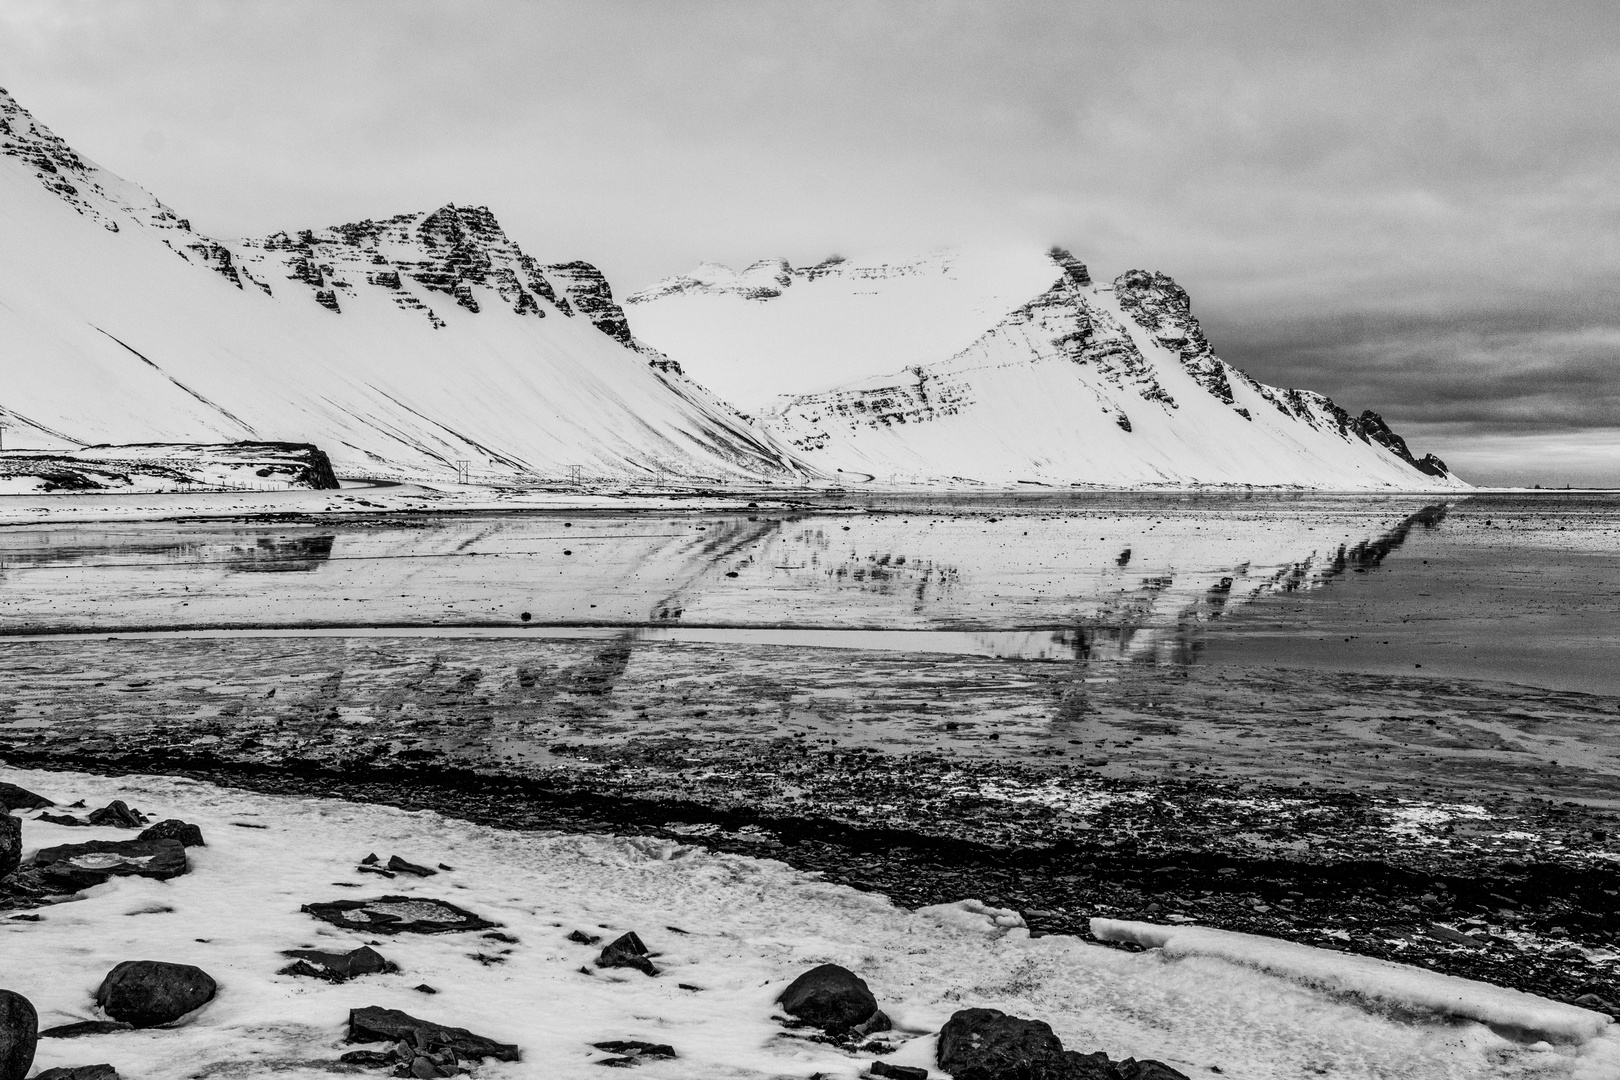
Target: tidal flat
(1386, 725)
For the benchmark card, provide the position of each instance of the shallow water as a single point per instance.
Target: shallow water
(1518, 588)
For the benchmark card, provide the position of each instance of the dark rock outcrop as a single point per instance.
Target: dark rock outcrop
(10, 844)
(337, 967)
(398, 915)
(85, 1027)
(148, 993)
(627, 952)
(118, 815)
(898, 1072)
(987, 1044)
(633, 1051)
(19, 1032)
(79, 866)
(188, 834)
(587, 291)
(400, 866)
(832, 998)
(80, 1072)
(375, 1024)
(13, 797)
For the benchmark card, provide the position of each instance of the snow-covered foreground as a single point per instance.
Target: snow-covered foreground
(750, 926)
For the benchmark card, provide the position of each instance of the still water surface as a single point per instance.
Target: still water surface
(1517, 588)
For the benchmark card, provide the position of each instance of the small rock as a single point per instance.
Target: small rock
(188, 834)
(627, 952)
(424, 988)
(85, 1027)
(13, 797)
(1147, 1069)
(79, 1072)
(147, 993)
(370, 860)
(118, 814)
(375, 1024)
(832, 998)
(61, 819)
(583, 938)
(19, 1033)
(337, 967)
(368, 1058)
(636, 1048)
(400, 866)
(10, 844)
(898, 1072)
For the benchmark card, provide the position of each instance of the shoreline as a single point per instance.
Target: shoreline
(740, 926)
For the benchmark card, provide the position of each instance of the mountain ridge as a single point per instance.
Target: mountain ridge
(402, 345)
(1128, 351)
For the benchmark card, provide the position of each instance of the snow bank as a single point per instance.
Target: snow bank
(731, 932)
(1397, 985)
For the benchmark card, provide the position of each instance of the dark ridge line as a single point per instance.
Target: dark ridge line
(212, 405)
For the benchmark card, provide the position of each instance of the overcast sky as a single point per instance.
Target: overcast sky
(1413, 208)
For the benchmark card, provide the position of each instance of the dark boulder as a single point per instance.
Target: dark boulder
(627, 952)
(61, 819)
(13, 797)
(834, 999)
(118, 814)
(80, 1072)
(583, 938)
(400, 866)
(85, 1027)
(987, 1044)
(375, 1024)
(633, 1051)
(188, 834)
(397, 915)
(337, 967)
(91, 863)
(147, 993)
(19, 1032)
(898, 1072)
(1147, 1069)
(10, 843)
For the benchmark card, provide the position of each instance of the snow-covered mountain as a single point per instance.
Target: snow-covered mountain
(1004, 368)
(399, 346)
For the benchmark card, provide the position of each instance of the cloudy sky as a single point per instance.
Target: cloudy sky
(1411, 207)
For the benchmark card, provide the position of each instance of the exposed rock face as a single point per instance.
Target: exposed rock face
(79, 866)
(144, 466)
(375, 1024)
(1162, 307)
(987, 1044)
(19, 1033)
(627, 951)
(79, 1072)
(147, 993)
(587, 292)
(186, 833)
(832, 998)
(13, 797)
(10, 843)
(397, 915)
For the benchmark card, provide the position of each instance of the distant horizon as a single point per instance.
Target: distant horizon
(1408, 211)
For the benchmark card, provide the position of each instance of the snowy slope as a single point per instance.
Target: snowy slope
(1017, 368)
(398, 346)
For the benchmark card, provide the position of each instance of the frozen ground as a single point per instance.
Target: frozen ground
(731, 931)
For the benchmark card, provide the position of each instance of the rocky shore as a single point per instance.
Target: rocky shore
(154, 953)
